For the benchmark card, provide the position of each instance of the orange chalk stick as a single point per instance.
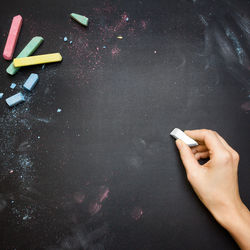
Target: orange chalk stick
(12, 37)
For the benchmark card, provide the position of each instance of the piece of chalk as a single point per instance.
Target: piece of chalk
(41, 59)
(12, 37)
(13, 85)
(65, 39)
(31, 82)
(178, 134)
(15, 99)
(28, 50)
(1, 95)
(83, 20)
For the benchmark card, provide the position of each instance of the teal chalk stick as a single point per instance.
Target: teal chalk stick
(28, 50)
(15, 99)
(31, 82)
(80, 19)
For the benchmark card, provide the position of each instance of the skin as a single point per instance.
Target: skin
(216, 182)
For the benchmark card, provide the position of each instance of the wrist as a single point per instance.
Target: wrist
(229, 214)
(236, 220)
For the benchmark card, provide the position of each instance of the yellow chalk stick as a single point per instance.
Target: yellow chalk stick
(41, 59)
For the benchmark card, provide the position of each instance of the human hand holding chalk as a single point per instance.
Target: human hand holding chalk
(178, 134)
(216, 182)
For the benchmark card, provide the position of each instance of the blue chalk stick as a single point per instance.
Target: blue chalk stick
(13, 85)
(65, 39)
(31, 82)
(1, 95)
(15, 99)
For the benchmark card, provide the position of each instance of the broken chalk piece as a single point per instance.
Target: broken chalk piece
(28, 50)
(15, 99)
(12, 37)
(65, 39)
(13, 85)
(83, 20)
(59, 110)
(1, 95)
(41, 59)
(31, 82)
(178, 134)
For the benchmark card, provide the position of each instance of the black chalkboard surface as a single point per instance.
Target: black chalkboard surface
(104, 173)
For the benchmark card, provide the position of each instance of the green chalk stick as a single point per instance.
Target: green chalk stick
(28, 50)
(80, 19)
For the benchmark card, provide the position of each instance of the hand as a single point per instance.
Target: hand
(216, 182)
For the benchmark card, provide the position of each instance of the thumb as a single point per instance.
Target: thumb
(187, 157)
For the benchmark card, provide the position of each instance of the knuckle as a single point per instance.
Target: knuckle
(207, 132)
(210, 132)
(215, 132)
(204, 130)
(236, 156)
(226, 157)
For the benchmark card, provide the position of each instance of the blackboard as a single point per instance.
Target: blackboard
(104, 173)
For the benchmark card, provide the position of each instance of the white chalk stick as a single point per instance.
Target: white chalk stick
(178, 134)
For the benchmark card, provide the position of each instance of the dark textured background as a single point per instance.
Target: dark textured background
(105, 173)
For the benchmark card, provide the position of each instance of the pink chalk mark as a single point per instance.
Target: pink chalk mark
(122, 23)
(144, 24)
(115, 51)
(103, 195)
(12, 37)
(124, 17)
(94, 207)
(246, 106)
(79, 197)
(136, 213)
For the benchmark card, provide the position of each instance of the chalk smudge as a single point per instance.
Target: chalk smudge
(115, 51)
(103, 194)
(136, 213)
(246, 106)
(79, 197)
(94, 208)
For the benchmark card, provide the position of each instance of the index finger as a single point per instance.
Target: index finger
(207, 137)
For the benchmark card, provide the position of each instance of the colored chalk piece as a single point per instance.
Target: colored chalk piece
(13, 85)
(31, 82)
(41, 59)
(12, 37)
(65, 39)
(179, 134)
(28, 50)
(83, 20)
(1, 95)
(15, 99)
